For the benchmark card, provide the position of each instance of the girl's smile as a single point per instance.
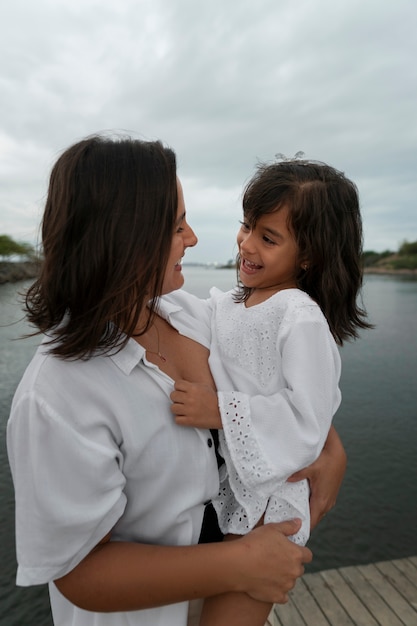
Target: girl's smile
(248, 267)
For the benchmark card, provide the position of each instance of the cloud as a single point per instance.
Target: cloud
(224, 84)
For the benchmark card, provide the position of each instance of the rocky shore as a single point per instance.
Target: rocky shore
(13, 272)
(373, 269)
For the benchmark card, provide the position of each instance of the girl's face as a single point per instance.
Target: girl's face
(182, 239)
(268, 254)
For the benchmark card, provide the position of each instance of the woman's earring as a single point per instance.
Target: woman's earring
(305, 267)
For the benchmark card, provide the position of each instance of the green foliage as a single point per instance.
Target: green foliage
(408, 248)
(372, 258)
(9, 247)
(404, 262)
(404, 259)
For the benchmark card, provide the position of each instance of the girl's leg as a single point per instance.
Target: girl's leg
(234, 608)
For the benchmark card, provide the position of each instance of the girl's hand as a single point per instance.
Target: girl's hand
(195, 404)
(325, 476)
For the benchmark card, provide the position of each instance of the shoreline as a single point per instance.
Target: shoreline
(390, 272)
(11, 272)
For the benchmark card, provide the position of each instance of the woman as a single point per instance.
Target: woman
(110, 492)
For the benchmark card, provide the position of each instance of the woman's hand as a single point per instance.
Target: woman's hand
(195, 404)
(325, 476)
(272, 563)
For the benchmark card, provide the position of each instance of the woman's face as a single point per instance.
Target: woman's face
(182, 239)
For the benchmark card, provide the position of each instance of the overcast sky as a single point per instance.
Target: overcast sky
(226, 83)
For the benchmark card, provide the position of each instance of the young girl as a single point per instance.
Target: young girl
(274, 353)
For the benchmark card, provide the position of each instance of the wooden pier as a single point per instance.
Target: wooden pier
(379, 594)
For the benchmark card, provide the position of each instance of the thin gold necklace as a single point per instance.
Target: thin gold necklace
(158, 352)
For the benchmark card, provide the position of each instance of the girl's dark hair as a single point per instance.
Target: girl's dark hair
(106, 235)
(324, 215)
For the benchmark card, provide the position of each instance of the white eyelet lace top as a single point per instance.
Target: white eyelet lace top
(277, 369)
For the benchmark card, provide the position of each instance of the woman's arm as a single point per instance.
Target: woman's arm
(119, 576)
(325, 476)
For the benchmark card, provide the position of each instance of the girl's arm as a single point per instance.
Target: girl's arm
(119, 576)
(284, 431)
(325, 476)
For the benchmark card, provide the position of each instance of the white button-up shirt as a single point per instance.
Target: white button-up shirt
(93, 447)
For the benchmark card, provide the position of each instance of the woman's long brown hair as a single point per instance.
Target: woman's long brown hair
(106, 235)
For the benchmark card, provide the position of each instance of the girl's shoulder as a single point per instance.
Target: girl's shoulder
(295, 305)
(287, 300)
(295, 298)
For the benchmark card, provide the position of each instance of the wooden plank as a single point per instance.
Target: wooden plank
(407, 568)
(385, 587)
(328, 603)
(399, 580)
(307, 605)
(380, 594)
(348, 598)
(367, 594)
(287, 615)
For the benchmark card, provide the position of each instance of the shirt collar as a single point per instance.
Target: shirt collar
(133, 353)
(130, 356)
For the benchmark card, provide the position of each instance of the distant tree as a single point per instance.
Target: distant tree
(9, 247)
(371, 258)
(407, 248)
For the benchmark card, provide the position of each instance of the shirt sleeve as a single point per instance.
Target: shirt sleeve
(190, 315)
(269, 437)
(69, 490)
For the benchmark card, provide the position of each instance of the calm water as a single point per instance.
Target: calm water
(376, 513)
